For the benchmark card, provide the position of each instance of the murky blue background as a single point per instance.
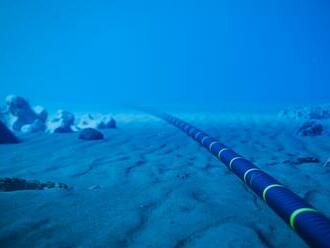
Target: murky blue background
(203, 54)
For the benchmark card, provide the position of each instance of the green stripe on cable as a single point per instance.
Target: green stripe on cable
(297, 212)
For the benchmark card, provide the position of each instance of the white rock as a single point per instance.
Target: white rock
(36, 126)
(62, 123)
(41, 113)
(88, 121)
(98, 121)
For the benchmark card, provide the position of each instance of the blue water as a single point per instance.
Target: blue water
(205, 54)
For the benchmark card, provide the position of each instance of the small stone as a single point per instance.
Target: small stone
(90, 134)
(94, 187)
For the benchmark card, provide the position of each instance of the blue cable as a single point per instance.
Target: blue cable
(311, 225)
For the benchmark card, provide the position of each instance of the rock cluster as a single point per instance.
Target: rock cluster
(315, 112)
(18, 115)
(62, 123)
(97, 121)
(314, 120)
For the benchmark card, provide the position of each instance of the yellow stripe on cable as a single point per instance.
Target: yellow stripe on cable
(205, 138)
(248, 171)
(231, 161)
(210, 146)
(268, 188)
(222, 150)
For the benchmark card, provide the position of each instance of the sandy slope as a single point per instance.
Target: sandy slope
(158, 187)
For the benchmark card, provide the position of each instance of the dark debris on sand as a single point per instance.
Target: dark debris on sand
(14, 184)
(310, 128)
(302, 160)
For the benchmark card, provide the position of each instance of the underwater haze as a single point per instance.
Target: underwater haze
(195, 54)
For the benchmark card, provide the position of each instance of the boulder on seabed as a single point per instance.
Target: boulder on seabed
(310, 128)
(62, 123)
(88, 121)
(6, 136)
(41, 113)
(34, 127)
(90, 134)
(98, 122)
(18, 113)
(108, 122)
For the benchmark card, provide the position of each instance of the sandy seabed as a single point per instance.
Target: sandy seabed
(147, 184)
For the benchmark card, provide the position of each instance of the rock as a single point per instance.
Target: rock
(108, 122)
(319, 112)
(62, 123)
(41, 113)
(98, 121)
(94, 187)
(88, 121)
(36, 126)
(90, 134)
(310, 128)
(19, 111)
(6, 136)
(18, 114)
(14, 184)
(302, 160)
(313, 112)
(18, 106)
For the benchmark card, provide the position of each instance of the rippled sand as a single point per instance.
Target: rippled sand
(149, 185)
